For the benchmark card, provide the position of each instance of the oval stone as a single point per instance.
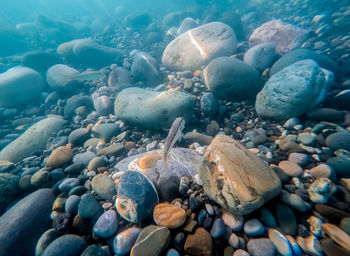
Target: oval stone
(168, 215)
(106, 225)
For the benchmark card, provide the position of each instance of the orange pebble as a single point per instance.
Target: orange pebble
(197, 72)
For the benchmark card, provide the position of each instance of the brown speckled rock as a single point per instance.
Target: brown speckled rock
(291, 169)
(199, 243)
(337, 235)
(235, 178)
(168, 215)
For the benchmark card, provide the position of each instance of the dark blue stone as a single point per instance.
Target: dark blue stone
(201, 216)
(218, 228)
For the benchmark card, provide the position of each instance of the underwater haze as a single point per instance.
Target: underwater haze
(187, 127)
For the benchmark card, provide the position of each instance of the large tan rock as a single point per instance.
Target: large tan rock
(235, 178)
(198, 46)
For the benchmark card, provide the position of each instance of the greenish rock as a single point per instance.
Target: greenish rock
(92, 142)
(9, 189)
(26, 221)
(260, 56)
(59, 76)
(39, 60)
(34, 139)
(112, 150)
(341, 165)
(48, 237)
(286, 219)
(293, 91)
(67, 245)
(105, 131)
(232, 79)
(89, 207)
(103, 186)
(303, 54)
(145, 68)
(77, 101)
(96, 163)
(95, 250)
(40, 178)
(19, 85)
(151, 109)
(151, 241)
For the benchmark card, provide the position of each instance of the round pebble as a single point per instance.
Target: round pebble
(168, 215)
(235, 222)
(261, 247)
(253, 227)
(68, 184)
(322, 170)
(124, 241)
(298, 158)
(218, 228)
(291, 169)
(71, 205)
(106, 225)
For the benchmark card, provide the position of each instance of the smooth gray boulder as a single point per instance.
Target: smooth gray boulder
(303, 54)
(87, 52)
(59, 77)
(260, 56)
(9, 190)
(19, 85)
(187, 24)
(22, 225)
(198, 46)
(285, 36)
(34, 139)
(232, 79)
(152, 109)
(145, 68)
(293, 91)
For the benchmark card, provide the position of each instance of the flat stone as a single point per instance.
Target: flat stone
(325, 114)
(331, 248)
(330, 213)
(253, 227)
(152, 240)
(260, 56)
(291, 169)
(246, 182)
(168, 215)
(112, 150)
(199, 243)
(89, 207)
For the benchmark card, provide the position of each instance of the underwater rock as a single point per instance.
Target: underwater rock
(103, 105)
(198, 46)
(124, 241)
(235, 178)
(34, 139)
(303, 54)
(181, 162)
(187, 24)
(260, 56)
(293, 91)
(59, 77)
(88, 52)
(120, 77)
(68, 244)
(77, 101)
(103, 186)
(232, 79)
(151, 109)
(145, 68)
(136, 196)
(9, 189)
(60, 156)
(19, 85)
(25, 222)
(138, 20)
(39, 60)
(285, 36)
